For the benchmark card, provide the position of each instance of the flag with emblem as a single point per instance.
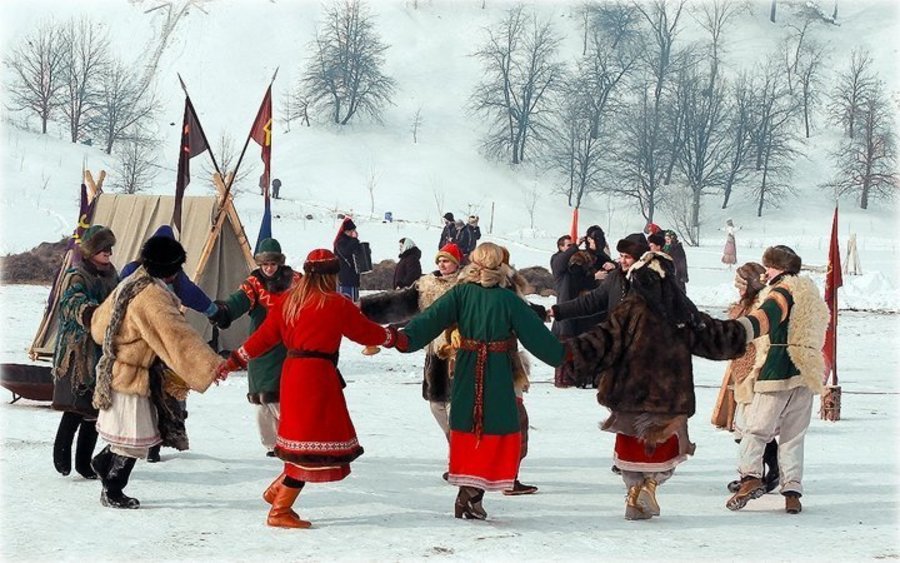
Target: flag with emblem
(193, 142)
(261, 132)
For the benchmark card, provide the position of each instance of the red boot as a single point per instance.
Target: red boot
(272, 491)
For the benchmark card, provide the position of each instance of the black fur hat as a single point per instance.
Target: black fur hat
(653, 278)
(782, 258)
(95, 239)
(162, 256)
(635, 245)
(657, 238)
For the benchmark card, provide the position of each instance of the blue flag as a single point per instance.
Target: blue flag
(265, 228)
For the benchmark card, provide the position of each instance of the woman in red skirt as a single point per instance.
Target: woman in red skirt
(316, 438)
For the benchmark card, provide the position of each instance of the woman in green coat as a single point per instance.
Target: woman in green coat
(484, 424)
(263, 288)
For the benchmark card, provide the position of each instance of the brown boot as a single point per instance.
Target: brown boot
(751, 488)
(633, 510)
(792, 503)
(281, 515)
(272, 491)
(647, 497)
(468, 504)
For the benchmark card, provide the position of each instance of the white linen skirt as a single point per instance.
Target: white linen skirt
(130, 422)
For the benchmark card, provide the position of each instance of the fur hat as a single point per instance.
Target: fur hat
(269, 250)
(449, 216)
(347, 225)
(782, 258)
(657, 238)
(635, 245)
(162, 256)
(449, 251)
(321, 261)
(95, 239)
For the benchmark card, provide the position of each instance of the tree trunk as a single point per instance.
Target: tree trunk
(806, 117)
(772, 12)
(695, 217)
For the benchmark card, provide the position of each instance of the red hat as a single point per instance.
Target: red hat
(450, 251)
(321, 261)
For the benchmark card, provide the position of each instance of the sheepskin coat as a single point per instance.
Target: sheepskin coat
(644, 362)
(154, 327)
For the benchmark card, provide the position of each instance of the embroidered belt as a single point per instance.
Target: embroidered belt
(481, 349)
(331, 357)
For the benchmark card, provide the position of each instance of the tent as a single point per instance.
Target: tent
(219, 258)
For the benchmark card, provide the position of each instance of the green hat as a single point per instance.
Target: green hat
(95, 239)
(269, 250)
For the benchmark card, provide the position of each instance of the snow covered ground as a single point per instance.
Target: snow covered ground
(205, 503)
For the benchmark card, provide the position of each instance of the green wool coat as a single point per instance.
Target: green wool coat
(256, 295)
(487, 315)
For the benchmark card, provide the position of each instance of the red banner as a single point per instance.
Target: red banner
(261, 132)
(833, 280)
(573, 232)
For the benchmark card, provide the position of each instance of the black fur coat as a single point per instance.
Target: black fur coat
(643, 361)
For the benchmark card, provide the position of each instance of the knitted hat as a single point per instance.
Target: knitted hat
(321, 261)
(348, 224)
(448, 216)
(451, 252)
(406, 244)
(95, 239)
(269, 250)
(782, 258)
(162, 256)
(652, 228)
(635, 245)
(657, 238)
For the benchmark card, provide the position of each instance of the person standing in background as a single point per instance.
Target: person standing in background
(409, 268)
(674, 249)
(448, 234)
(346, 245)
(729, 253)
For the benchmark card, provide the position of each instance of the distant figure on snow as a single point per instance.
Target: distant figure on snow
(729, 253)
(409, 268)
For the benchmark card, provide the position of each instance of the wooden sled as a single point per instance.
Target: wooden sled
(30, 381)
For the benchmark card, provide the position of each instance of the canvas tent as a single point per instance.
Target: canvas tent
(219, 258)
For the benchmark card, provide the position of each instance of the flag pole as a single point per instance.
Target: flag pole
(246, 144)
(199, 126)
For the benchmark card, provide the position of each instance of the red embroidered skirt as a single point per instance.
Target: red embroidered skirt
(630, 454)
(491, 464)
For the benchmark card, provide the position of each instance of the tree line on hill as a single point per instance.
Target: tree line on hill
(639, 113)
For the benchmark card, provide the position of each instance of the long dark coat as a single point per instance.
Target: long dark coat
(345, 247)
(590, 308)
(409, 268)
(574, 275)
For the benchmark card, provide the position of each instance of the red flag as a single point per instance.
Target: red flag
(193, 142)
(833, 280)
(573, 232)
(262, 134)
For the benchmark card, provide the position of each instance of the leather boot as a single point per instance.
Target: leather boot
(281, 515)
(751, 488)
(468, 504)
(62, 445)
(114, 483)
(647, 497)
(633, 509)
(792, 503)
(770, 459)
(520, 488)
(271, 492)
(84, 449)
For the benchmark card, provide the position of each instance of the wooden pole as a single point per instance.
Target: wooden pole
(226, 211)
(491, 224)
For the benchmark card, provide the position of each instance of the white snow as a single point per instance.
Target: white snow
(205, 503)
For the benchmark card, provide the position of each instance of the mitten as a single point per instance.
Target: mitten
(237, 360)
(221, 318)
(396, 339)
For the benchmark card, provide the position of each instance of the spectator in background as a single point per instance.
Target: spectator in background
(651, 228)
(657, 241)
(474, 233)
(448, 235)
(346, 245)
(462, 238)
(276, 188)
(409, 268)
(596, 243)
(674, 249)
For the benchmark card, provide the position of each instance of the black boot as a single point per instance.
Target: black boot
(468, 504)
(114, 482)
(101, 462)
(770, 459)
(153, 454)
(62, 445)
(84, 449)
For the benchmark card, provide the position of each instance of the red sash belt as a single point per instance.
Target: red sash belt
(481, 349)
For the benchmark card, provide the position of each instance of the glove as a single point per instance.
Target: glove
(396, 339)
(237, 360)
(220, 318)
(87, 314)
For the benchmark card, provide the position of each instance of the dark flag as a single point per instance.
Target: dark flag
(193, 142)
(833, 280)
(261, 132)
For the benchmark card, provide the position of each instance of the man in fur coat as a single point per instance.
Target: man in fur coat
(263, 289)
(787, 373)
(401, 306)
(138, 323)
(642, 353)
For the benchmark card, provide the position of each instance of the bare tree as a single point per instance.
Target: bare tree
(520, 75)
(226, 157)
(739, 146)
(852, 87)
(575, 154)
(38, 64)
(416, 124)
(345, 73)
(439, 196)
(294, 105)
(86, 47)
(867, 162)
(135, 170)
(371, 184)
(715, 17)
(809, 73)
(124, 110)
(532, 196)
